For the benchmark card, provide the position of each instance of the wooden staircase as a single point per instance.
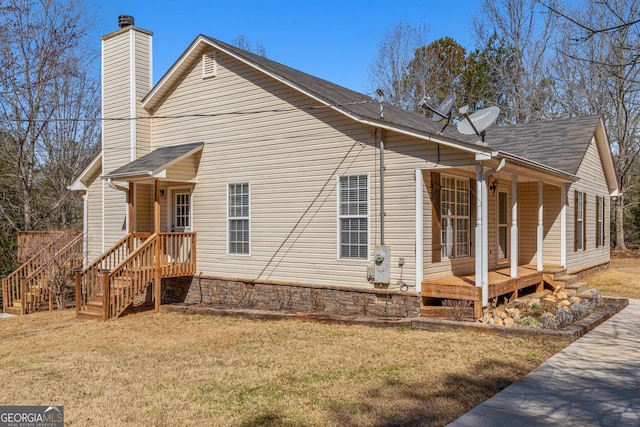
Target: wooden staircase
(123, 274)
(43, 276)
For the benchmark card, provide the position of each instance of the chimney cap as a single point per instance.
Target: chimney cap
(125, 21)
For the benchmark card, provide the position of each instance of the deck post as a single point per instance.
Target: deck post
(540, 230)
(514, 226)
(157, 267)
(480, 244)
(131, 217)
(5, 292)
(23, 295)
(106, 297)
(78, 273)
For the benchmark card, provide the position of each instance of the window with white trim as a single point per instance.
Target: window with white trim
(353, 216)
(454, 203)
(238, 218)
(599, 221)
(503, 226)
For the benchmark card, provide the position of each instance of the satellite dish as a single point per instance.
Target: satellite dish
(442, 112)
(444, 109)
(477, 122)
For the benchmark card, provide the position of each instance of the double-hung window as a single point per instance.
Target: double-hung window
(454, 203)
(238, 230)
(353, 216)
(579, 221)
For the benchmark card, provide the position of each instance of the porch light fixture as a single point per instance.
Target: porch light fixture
(494, 186)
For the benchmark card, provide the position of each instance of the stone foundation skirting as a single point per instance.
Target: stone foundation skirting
(588, 271)
(292, 298)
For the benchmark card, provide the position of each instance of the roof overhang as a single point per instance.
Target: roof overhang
(159, 163)
(82, 182)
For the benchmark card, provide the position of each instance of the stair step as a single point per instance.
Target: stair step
(89, 315)
(439, 312)
(13, 310)
(95, 306)
(567, 278)
(578, 286)
(588, 293)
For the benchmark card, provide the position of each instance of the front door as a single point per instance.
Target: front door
(181, 215)
(177, 248)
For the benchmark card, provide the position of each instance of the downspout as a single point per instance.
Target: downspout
(381, 100)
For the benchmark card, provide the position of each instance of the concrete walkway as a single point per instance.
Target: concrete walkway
(595, 381)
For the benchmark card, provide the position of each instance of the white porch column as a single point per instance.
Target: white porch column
(478, 227)
(564, 190)
(513, 258)
(540, 230)
(419, 230)
(485, 241)
(482, 233)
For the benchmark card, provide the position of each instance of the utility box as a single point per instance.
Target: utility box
(382, 265)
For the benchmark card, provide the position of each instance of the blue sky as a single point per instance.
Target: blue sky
(335, 40)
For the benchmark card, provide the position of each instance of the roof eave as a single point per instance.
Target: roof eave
(80, 184)
(565, 176)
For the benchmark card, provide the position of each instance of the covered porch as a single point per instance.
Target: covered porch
(158, 243)
(489, 230)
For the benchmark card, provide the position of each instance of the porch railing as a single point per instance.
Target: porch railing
(91, 275)
(32, 283)
(113, 281)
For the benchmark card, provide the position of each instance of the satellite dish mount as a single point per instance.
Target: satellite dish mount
(443, 111)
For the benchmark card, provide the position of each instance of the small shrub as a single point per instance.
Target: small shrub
(459, 308)
(528, 321)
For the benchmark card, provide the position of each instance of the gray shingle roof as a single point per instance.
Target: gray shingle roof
(352, 102)
(157, 159)
(560, 144)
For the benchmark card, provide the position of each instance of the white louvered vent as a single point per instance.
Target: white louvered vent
(209, 65)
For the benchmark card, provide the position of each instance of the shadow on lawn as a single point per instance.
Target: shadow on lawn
(401, 403)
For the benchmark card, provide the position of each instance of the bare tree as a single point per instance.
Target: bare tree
(43, 59)
(598, 70)
(527, 33)
(395, 54)
(243, 43)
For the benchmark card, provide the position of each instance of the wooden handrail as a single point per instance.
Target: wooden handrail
(160, 255)
(33, 271)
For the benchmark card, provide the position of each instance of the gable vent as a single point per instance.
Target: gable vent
(209, 65)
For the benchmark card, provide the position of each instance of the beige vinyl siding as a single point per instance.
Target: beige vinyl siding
(291, 153)
(143, 86)
(117, 92)
(592, 183)
(94, 219)
(116, 105)
(144, 207)
(527, 222)
(552, 225)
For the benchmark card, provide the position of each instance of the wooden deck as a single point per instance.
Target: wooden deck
(463, 287)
